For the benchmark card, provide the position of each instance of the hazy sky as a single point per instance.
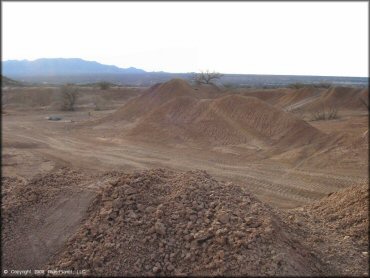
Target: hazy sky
(308, 38)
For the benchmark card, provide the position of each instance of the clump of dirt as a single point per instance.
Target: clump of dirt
(160, 222)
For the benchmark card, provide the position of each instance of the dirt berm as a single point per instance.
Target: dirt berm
(227, 120)
(342, 98)
(160, 222)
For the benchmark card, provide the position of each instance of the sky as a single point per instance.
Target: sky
(294, 38)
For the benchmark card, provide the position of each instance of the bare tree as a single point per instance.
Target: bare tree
(68, 95)
(206, 77)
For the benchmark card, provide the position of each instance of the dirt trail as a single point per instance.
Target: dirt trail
(301, 103)
(63, 202)
(274, 182)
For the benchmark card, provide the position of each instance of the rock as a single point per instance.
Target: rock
(279, 257)
(131, 214)
(223, 217)
(160, 228)
(130, 190)
(54, 118)
(150, 209)
(118, 203)
(65, 265)
(249, 220)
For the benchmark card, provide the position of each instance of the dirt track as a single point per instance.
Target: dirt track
(290, 179)
(44, 145)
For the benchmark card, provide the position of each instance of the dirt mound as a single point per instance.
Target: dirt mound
(26, 97)
(348, 211)
(280, 127)
(362, 141)
(159, 222)
(19, 194)
(336, 230)
(342, 98)
(271, 96)
(311, 98)
(231, 119)
(175, 112)
(39, 215)
(299, 97)
(156, 95)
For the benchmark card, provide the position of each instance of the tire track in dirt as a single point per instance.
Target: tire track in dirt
(273, 179)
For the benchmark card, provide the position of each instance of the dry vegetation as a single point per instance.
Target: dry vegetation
(330, 113)
(68, 97)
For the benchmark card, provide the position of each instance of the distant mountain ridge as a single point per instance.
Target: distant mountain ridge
(61, 66)
(79, 71)
(5, 81)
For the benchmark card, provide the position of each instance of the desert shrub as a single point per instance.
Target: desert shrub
(104, 85)
(68, 96)
(322, 85)
(297, 85)
(324, 114)
(230, 86)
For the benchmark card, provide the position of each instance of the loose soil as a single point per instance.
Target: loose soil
(186, 180)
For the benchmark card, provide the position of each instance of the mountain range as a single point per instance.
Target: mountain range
(79, 71)
(61, 66)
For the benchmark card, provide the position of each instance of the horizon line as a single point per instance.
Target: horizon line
(162, 71)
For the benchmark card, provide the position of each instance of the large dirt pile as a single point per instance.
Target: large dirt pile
(156, 95)
(159, 222)
(232, 119)
(312, 99)
(336, 230)
(300, 97)
(271, 96)
(175, 112)
(346, 210)
(39, 215)
(342, 98)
